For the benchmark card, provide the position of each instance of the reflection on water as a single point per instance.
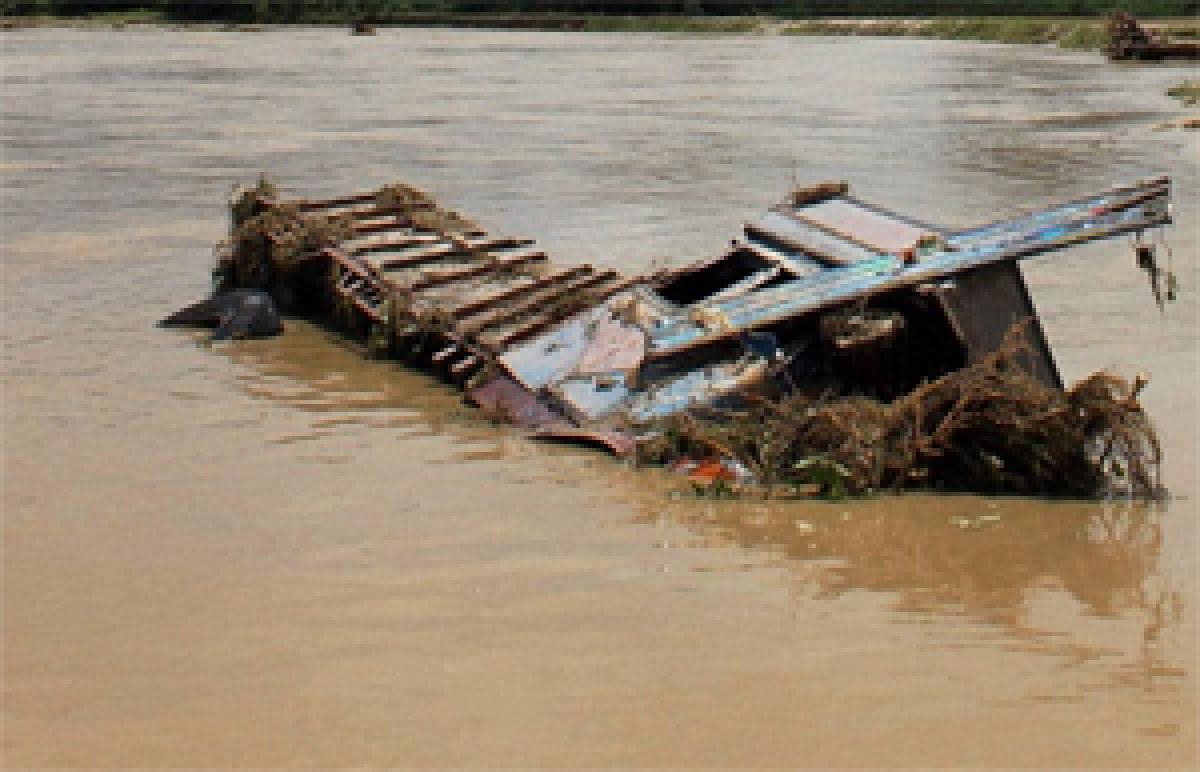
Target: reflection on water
(976, 561)
(314, 370)
(1032, 571)
(340, 549)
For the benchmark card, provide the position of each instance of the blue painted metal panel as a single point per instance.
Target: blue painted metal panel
(592, 397)
(550, 356)
(547, 361)
(1043, 231)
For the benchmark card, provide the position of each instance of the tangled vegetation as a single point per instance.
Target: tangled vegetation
(688, 15)
(989, 427)
(267, 241)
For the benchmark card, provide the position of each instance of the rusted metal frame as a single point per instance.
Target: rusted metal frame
(343, 259)
(789, 263)
(1151, 189)
(835, 232)
(752, 229)
(439, 248)
(749, 284)
(885, 212)
(530, 304)
(353, 267)
(493, 266)
(536, 326)
(983, 303)
(365, 212)
(446, 355)
(352, 291)
(407, 240)
(429, 279)
(467, 310)
(379, 224)
(439, 242)
(671, 275)
(358, 199)
(465, 367)
(1128, 203)
(1119, 206)
(1017, 252)
(329, 203)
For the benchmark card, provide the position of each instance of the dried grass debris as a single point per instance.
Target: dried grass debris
(989, 427)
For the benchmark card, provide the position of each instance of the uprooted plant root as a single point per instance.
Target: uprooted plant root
(989, 427)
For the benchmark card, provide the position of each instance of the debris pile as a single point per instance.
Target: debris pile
(1129, 40)
(837, 347)
(989, 427)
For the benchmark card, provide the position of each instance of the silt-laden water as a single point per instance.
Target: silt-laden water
(276, 553)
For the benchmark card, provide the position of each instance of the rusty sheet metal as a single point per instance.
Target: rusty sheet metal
(518, 289)
(534, 302)
(748, 284)
(537, 324)
(983, 304)
(508, 399)
(792, 261)
(550, 356)
(613, 346)
(572, 343)
(800, 239)
(1121, 211)
(698, 387)
(589, 398)
(619, 443)
(866, 226)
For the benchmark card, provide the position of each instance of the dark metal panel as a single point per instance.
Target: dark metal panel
(505, 397)
(984, 303)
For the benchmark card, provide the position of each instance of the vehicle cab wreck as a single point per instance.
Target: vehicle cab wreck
(824, 301)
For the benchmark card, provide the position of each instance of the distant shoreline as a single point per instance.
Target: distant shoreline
(1075, 33)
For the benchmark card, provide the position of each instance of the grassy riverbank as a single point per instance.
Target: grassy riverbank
(1078, 33)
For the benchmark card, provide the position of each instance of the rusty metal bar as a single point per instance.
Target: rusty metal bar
(531, 303)
(536, 326)
(493, 266)
(473, 307)
(379, 224)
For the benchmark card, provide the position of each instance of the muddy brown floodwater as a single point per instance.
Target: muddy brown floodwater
(277, 554)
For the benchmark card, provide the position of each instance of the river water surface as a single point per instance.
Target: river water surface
(278, 554)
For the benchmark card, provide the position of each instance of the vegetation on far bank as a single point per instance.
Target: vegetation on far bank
(1072, 24)
(384, 11)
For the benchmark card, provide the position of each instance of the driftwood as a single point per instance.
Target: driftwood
(1129, 40)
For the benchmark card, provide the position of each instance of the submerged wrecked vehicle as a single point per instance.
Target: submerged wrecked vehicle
(825, 309)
